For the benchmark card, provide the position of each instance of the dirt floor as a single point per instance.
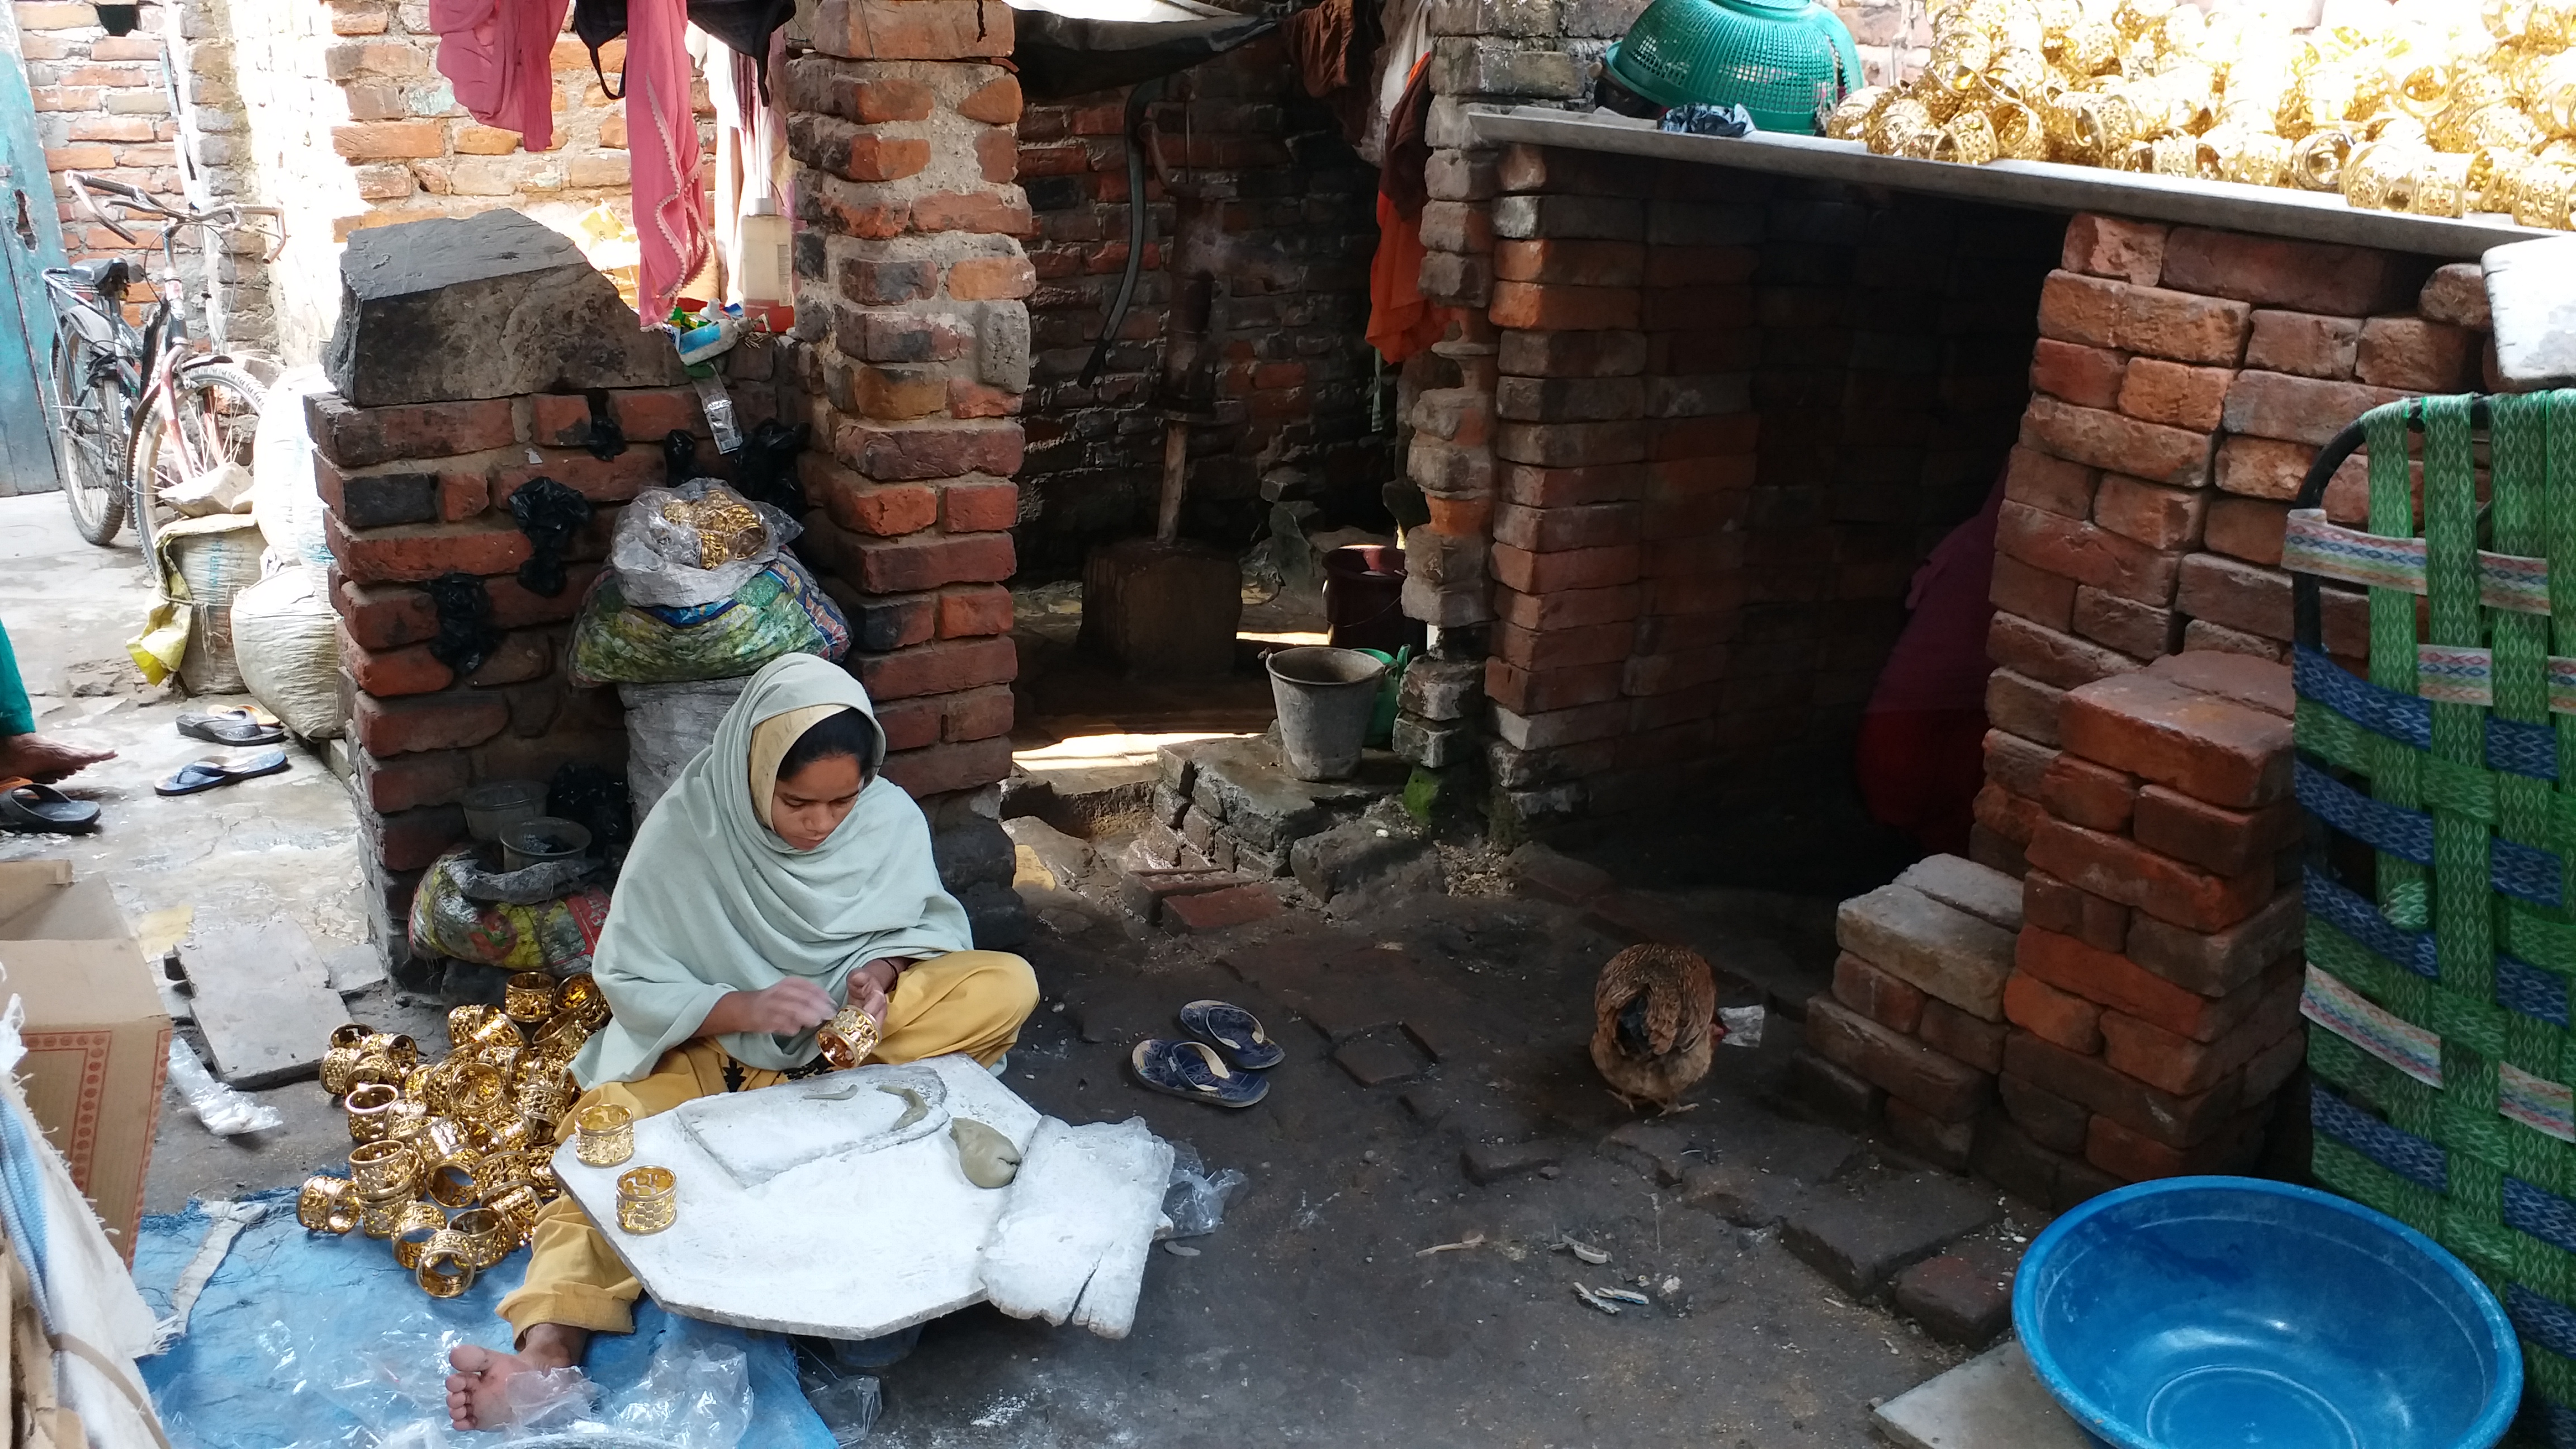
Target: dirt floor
(1365, 1286)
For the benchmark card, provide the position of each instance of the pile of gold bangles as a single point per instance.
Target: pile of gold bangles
(453, 1158)
(2476, 112)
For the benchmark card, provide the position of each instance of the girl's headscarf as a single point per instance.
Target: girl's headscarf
(712, 900)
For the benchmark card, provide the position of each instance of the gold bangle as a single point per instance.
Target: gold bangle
(1969, 140)
(647, 1200)
(443, 1271)
(1849, 118)
(528, 998)
(2175, 156)
(384, 1168)
(469, 1091)
(481, 1237)
(541, 1091)
(2442, 186)
(455, 1183)
(399, 1050)
(517, 1209)
(2020, 134)
(605, 1135)
(500, 1135)
(414, 1225)
(340, 1064)
(377, 1217)
(370, 1107)
(580, 998)
(851, 1034)
(327, 1204)
(2318, 159)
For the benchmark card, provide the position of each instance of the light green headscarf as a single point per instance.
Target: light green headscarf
(713, 901)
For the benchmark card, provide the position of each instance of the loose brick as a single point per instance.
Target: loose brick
(2053, 1122)
(2035, 479)
(1957, 1035)
(2417, 355)
(2124, 871)
(409, 782)
(2227, 842)
(2300, 275)
(1563, 307)
(1572, 354)
(2016, 763)
(2297, 409)
(2216, 963)
(1894, 1004)
(2046, 655)
(1939, 949)
(2141, 631)
(2135, 1156)
(945, 768)
(2115, 981)
(2085, 376)
(2080, 309)
(2057, 1016)
(2252, 682)
(1944, 1089)
(2023, 706)
(2034, 594)
(2457, 294)
(450, 721)
(2174, 393)
(417, 553)
(2247, 528)
(2209, 748)
(2173, 1063)
(971, 612)
(2107, 246)
(2094, 1083)
(1588, 263)
(908, 565)
(1571, 445)
(2087, 794)
(355, 437)
(2183, 326)
(1569, 569)
(2263, 467)
(2102, 925)
(2304, 344)
(2161, 518)
(2109, 440)
(2051, 904)
(2013, 817)
(2086, 553)
(929, 450)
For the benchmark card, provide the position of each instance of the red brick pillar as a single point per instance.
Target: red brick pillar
(2154, 1001)
(910, 285)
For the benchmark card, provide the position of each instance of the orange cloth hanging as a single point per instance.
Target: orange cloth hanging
(1402, 321)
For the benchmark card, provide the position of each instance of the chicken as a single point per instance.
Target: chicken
(1655, 1019)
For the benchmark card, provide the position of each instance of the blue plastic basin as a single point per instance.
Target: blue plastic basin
(2201, 1312)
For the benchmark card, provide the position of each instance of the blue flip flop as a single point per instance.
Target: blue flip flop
(1193, 1070)
(1233, 1031)
(199, 776)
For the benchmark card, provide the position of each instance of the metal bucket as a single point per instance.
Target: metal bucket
(1325, 697)
(541, 839)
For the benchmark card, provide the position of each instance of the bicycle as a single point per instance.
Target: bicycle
(136, 409)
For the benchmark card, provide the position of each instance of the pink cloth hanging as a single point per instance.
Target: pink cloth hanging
(498, 56)
(671, 208)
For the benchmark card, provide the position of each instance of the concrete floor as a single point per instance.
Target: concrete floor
(284, 846)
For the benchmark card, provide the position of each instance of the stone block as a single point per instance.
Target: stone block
(488, 306)
(1862, 1237)
(1989, 895)
(1956, 1298)
(2531, 293)
(1938, 948)
(1943, 1088)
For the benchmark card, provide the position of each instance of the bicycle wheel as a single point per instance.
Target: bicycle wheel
(91, 413)
(218, 418)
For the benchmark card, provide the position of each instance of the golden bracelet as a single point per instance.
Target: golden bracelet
(327, 1204)
(647, 1200)
(605, 1135)
(414, 1226)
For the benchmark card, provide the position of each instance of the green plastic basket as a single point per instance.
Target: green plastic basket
(1786, 61)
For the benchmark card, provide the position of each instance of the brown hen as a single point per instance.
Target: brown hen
(1655, 1019)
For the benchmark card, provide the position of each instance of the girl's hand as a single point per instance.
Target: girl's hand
(791, 1006)
(871, 988)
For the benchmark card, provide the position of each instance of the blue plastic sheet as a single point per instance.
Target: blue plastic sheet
(301, 1341)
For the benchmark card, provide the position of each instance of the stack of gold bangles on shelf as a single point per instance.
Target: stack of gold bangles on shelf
(2447, 110)
(469, 1136)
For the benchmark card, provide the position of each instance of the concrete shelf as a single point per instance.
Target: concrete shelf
(2038, 185)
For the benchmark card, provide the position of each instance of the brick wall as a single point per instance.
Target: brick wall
(1733, 415)
(415, 491)
(1294, 419)
(334, 111)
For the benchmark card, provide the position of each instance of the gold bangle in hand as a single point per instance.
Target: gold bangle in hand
(847, 1038)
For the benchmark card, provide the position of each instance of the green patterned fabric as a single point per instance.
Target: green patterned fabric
(2439, 981)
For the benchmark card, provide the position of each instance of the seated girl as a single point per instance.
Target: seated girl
(780, 878)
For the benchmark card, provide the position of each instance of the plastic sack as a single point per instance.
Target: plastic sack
(695, 544)
(286, 640)
(225, 1111)
(780, 610)
(557, 935)
(1195, 1201)
(666, 726)
(1742, 1024)
(282, 496)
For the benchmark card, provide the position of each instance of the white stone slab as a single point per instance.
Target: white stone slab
(868, 1231)
(1072, 1241)
(2531, 290)
(263, 999)
(1992, 1401)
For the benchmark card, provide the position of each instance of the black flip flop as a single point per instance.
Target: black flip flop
(27, 808)
(199, 776)
(233, 725)
(1233, 1031)
(1193, 1070)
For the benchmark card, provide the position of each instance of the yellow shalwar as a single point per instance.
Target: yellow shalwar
(966, 1001)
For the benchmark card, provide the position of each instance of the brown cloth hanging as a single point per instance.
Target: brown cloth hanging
(1334, 45)
(1402, 179)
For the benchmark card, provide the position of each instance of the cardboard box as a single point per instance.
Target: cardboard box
(98, 1042)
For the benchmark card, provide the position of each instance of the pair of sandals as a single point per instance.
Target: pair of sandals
(237, 725)
(1220, 1064)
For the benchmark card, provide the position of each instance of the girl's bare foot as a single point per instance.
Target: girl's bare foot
(478, 1395)
(45, 761)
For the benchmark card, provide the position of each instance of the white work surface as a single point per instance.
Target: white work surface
(803, 1210)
